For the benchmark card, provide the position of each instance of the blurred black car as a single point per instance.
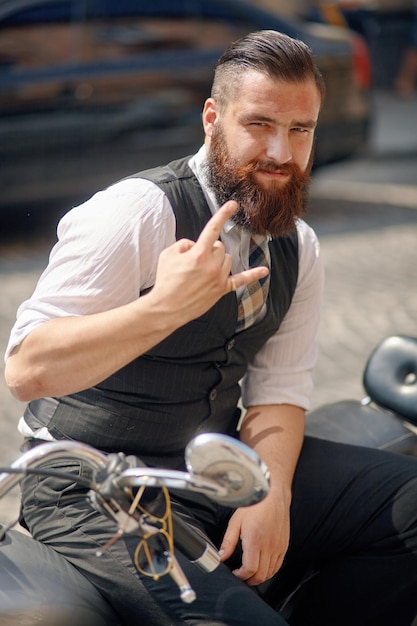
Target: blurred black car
(93, 90)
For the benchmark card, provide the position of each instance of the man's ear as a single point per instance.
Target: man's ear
(210, 115)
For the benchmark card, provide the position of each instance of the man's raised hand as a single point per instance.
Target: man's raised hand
(192, 276)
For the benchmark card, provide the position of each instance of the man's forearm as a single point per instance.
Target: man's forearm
(65, 355)
(276, 433)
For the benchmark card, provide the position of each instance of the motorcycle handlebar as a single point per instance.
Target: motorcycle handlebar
(188, 540)
(236, 477)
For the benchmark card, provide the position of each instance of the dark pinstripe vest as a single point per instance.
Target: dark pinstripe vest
(188, 383)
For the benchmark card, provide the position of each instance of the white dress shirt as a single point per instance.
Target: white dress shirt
(107, 253)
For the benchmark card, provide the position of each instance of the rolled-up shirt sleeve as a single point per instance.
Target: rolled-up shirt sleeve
(282, 371)
(106, 254)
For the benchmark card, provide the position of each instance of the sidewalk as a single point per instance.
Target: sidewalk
(391, 176)
(365, 213)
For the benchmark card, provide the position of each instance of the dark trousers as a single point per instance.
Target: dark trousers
(353, 544)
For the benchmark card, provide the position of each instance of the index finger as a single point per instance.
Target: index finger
(213, 228)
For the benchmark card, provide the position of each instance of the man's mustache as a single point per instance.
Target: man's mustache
(272, 168)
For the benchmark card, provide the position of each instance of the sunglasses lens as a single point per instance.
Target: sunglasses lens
(153, 502)
(153, 555)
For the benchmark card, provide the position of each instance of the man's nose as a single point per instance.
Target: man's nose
(278, 148)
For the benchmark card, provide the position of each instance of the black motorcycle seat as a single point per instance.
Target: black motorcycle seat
(349, 421)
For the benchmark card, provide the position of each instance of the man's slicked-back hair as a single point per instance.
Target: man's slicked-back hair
(267, 51)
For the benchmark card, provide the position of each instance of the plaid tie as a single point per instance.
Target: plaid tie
(254, 294)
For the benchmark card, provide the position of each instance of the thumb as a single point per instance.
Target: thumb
(230, 540)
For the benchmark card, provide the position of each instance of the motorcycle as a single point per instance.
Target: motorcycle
(38, 586)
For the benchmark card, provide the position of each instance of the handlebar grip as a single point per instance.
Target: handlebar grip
(192, 543)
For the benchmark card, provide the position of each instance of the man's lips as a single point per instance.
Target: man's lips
(276, 174)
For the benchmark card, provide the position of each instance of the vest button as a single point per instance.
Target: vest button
(231, 344)
(213, 394)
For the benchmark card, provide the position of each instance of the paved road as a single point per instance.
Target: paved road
(365, 212)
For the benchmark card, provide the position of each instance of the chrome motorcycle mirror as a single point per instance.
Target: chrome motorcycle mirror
(231, 464)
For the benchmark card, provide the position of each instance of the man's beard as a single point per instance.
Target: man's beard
(271, 208)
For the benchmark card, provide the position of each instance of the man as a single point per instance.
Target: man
(144, 374)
